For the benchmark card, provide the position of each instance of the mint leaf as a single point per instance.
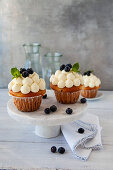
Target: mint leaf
(15, 72)
(75, 67)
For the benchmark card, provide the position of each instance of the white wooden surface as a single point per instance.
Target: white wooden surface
(21, 149)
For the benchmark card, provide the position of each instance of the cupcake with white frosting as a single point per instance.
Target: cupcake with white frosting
(91, 84)
(67, 83)
(27, 89)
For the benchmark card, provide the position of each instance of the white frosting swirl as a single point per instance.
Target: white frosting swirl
(42, 84)
(62, 77)
(76, 82)
(70, 76)
(34, 88)
(25, 89)
(61, 84)
(57, 73)
(17, 80)
(16, 87)
(66, 79)
(69, 83)
(25, 85)
(54, 81)
(91, 81)
(10, 85)
(52, 77)
(35, 78)
(27, 80)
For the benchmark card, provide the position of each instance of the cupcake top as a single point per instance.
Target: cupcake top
(67, 76)
(26, 81)
(90, 80)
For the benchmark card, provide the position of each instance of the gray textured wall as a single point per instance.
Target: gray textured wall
(82, 30)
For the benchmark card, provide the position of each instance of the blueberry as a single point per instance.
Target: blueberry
(85, 73)
(62, 67)
(25, 74)
(81, 130)
(53, 108)
(83, 100)
(47, 110)
(53, 149)
(30, 70)
(22, 70)
(67, 69)
(88, 73)
(61, 150)
(69, 111)
(70, 65)
(45, 96)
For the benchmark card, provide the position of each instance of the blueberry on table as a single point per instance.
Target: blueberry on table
(83, 100)
(69, 111)
(70, 65)
(81, 130)
(61, 150)
(45, 96)
(67, 69)
(30, 70)
(22, 70)
(53, 149)
(62, 67)
(53, 108)
(25, 74)
(47, 110)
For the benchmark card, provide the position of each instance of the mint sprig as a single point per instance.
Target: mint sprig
(15, 73)
(75, 68)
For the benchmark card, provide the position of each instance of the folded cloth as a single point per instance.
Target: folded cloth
(82, 144)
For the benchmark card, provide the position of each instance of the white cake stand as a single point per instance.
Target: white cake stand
(47, 126)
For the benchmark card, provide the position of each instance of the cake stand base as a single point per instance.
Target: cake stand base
(47, 131)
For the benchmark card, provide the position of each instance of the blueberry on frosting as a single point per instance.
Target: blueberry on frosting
(30, 70)
(62, 67)
(70, 65)
(25, 74)
(87, 73)
(67, 69)
(22, 70)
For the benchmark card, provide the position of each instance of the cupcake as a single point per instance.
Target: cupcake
(91, 84)
(27, 89)
(67, 83)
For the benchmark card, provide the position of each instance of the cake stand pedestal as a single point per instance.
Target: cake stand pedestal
(47, 126)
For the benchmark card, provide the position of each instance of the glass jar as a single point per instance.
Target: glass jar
(51, 63)
(33, 59)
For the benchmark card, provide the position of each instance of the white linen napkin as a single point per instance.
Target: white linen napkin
(82, 144)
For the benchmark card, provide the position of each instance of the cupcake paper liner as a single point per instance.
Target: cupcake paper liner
(27, 104)
(67, 97)
(89, 93)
